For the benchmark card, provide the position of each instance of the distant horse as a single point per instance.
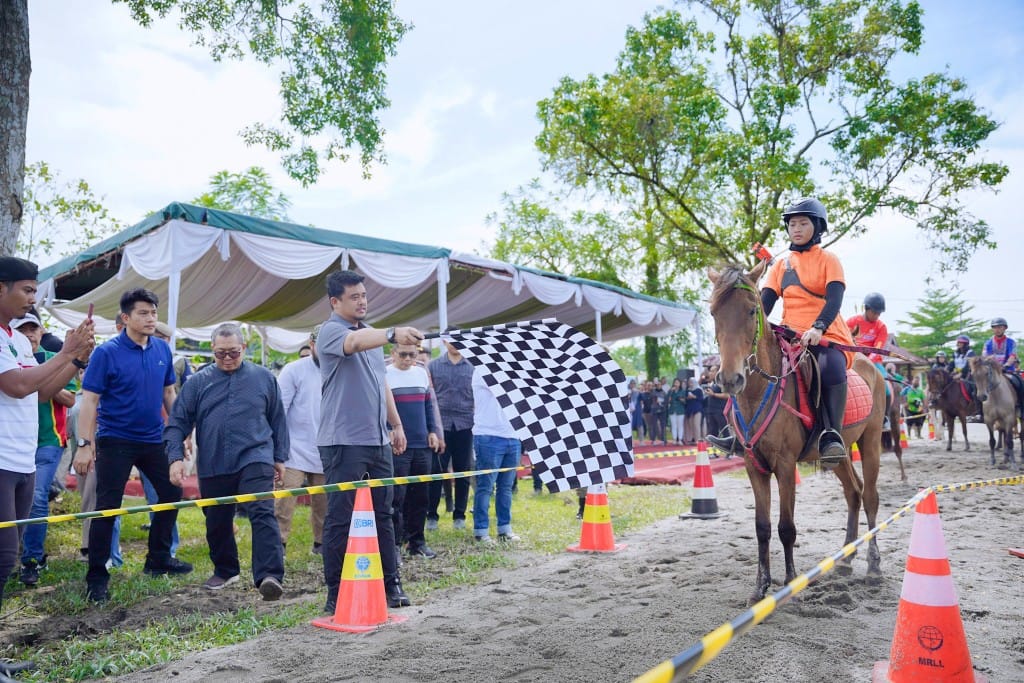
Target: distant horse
(998, 403)
(754, 373)
(950, 395)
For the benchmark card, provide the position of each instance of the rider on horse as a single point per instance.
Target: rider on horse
(869, 330)
(961, 355)
(940, 361)
(811, 283)
(1004, 349)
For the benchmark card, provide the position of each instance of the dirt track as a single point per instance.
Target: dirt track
(604, 618)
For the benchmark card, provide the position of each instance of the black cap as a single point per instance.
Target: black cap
(13, 269)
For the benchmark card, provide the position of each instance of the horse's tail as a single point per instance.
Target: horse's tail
(858, 485)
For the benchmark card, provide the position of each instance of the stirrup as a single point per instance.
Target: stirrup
(728, 444)
(832, 452)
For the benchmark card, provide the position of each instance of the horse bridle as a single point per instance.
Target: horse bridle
(750, 362)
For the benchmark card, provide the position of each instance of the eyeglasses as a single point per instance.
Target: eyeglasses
(408, 354)
(221, 355)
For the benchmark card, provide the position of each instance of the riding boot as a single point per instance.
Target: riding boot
(831, 448)
(727, 442)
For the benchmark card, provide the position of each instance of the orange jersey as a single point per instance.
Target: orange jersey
(801, 305)
(874, 334)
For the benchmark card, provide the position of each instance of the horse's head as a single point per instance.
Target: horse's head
(984, 370)
(938, 378)
(739, 321)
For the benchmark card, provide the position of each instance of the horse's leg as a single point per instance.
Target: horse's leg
(871, 465)
(950, 426)
(761, 484)
(963, 425)
(991, 444)
(847, 476)
(787, 526)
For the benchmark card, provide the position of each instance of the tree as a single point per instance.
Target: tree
(332, 83)
(622, 249)
(940, 318)
(717, 130)
(62, 217)
(249, 192)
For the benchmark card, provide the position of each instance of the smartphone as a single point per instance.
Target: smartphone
(89, 314)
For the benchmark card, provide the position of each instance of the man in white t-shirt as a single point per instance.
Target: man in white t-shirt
(300, 394)
(497, 447)
(23, 383)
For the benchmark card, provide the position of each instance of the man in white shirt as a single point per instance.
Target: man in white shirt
(496, 446)
(300, 394)
(23, 383)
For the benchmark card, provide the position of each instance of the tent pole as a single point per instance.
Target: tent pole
(700, 351)
(173, 298)
(597, 322)
(442, 295)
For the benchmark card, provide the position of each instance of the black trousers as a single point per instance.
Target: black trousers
(409, 507)
(16, 491)
(267, 553)
(114, 461)
(459, 452)
(352, 463)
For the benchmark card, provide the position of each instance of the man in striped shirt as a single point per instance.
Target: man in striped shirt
(410, 385)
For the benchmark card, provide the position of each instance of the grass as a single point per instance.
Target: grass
(546, 523)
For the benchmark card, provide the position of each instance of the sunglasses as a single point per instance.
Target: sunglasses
(221, 355)
(408, 354)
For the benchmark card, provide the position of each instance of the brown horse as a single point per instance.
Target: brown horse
(949, 394)
(751, 371)
(999, 405)
(891, 437)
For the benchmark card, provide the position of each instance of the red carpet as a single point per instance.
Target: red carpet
(673, 465)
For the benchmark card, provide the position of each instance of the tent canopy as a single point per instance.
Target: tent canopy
(209, 266)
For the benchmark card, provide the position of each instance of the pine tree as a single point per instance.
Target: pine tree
(939, 319)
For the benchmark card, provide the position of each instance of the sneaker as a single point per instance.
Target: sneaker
(422, 551)
(508, 538)
(484, 540)
(30, 573)
(397, 596)
(216, 583)
(431, 524)
(270, 589)
(459, 524)
(173, 566)
(97, 592)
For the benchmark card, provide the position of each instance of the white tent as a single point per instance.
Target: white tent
(210, 266)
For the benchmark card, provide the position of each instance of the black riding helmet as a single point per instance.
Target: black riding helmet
(875, 302)
(815, 210)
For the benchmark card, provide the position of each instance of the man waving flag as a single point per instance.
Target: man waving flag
(564, 395)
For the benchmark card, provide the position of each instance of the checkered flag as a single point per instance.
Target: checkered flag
(564, 395)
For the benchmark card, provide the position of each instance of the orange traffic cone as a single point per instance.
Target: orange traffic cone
(704, 503)
(596, 535)
(362, 603)
(1016, 552)
(931, 431)
(855, 451)
(903, 434)
(929, 643)
(798, 479)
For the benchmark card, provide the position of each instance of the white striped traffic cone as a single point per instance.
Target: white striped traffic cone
(704, 503)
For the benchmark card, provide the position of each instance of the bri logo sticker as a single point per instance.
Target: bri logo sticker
(362, 563)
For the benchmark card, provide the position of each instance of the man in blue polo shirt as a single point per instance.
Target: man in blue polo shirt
(129, 379)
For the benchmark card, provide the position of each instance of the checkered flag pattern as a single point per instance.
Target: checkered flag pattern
(564, 395)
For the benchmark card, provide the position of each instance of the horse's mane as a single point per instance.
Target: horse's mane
(728, 277)
(989, 361)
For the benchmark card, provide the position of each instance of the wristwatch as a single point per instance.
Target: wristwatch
(82, 443)
(390, 335)
(81, 365)
(820, 326)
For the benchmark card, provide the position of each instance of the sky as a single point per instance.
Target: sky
(146, 118)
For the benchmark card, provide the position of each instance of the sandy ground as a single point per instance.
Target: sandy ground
(612, 617)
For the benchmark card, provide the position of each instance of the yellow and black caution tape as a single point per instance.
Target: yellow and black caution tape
(250, 497)
(696, 656)
(666, 454)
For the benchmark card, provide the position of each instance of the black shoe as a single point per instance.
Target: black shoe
(318, 548)
(422, 551)
(30, 572)
(729, 444)
(397, 596)
(173, 566)
(97, 592)
(831, 449)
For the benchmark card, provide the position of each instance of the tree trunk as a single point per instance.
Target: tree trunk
(15, 69)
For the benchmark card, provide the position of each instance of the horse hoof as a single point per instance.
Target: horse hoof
(844, 569)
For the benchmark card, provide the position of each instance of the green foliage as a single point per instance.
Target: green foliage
(941, 317)
(250, 192)
(717, 130)
(331, 56)
(60, 217)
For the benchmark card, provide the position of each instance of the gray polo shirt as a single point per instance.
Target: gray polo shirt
(353, 409)
(453, 385)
